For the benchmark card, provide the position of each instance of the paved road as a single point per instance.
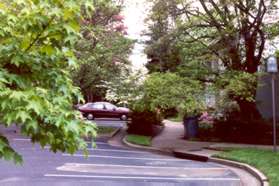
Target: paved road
(107, 165)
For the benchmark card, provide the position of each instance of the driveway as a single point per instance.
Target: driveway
(107, 165)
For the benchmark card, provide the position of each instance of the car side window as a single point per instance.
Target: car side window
(98, 106)
(89, 105)
(110, 106)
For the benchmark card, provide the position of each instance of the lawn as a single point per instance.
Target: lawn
(264, 160)
(105, 130)
(139, 140)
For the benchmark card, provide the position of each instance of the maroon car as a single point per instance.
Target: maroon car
(103, 109)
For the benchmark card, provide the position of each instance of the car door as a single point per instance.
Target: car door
(98, 110)
(111, 110)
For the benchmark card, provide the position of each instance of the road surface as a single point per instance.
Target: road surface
(107, 166)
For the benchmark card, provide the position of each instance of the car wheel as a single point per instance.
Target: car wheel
(90, 116)
(123, 117)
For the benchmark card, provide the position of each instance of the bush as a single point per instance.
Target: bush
(171, 112)
(147, 123)
(205, 129)
(237, 131)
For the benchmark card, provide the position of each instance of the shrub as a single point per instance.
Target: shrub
(145, 122)
(237, 131)
(171, 112)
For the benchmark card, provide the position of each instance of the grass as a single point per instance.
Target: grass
(139, 140)
(105, 130)
(264, 160)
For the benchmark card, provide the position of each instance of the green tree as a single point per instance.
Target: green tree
(37, 38)
(126, 89)
(162, 51)
(168, 90)
(103, 50)
(232, 34)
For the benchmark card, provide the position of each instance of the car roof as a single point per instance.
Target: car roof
(99, 102)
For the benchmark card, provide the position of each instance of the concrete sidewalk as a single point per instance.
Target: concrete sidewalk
(171, 139)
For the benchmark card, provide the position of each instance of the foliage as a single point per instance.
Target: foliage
(145, 122)
(215, 41)
(177, 118)
(103, 50)
(36, 53)
(162, 52)
(238, 84)
(126, 88)
(168, 90)
(264, 160)
(236, 130)
(139, 140)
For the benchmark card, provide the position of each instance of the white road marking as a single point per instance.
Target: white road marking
(141, 177)
(140, 166)
(90, 149)
(113, 150)
(28, 139)
(119, 157)
(98, 143)
(109, 150)
(21, 139)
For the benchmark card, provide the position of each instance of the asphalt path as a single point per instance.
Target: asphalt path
(107, 165)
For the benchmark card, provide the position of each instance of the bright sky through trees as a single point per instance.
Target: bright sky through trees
(135, 12)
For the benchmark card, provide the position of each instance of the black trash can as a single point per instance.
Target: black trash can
(190, 127)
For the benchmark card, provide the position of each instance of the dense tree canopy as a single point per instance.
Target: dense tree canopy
(103, 50)
(219, 42)
(37, 38)
(169, 90)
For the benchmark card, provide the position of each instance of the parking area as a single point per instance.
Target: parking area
(108, 165)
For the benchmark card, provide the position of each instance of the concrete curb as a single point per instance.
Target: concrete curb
(216, 149)
(252, 170)
(112, 134)
(190, 156)
(198, 157)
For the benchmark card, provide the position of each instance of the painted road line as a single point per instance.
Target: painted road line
(28, 139)
(113, 150)
(180, 172)
(119, 157)
(109, 150)
(21, 139)
(140, 166)
(100, 143)
(141, 177)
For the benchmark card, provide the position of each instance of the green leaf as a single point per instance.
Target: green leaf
(34, 106)
(49, 50)
(23, 116)
(36, 89)
(17, 95)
